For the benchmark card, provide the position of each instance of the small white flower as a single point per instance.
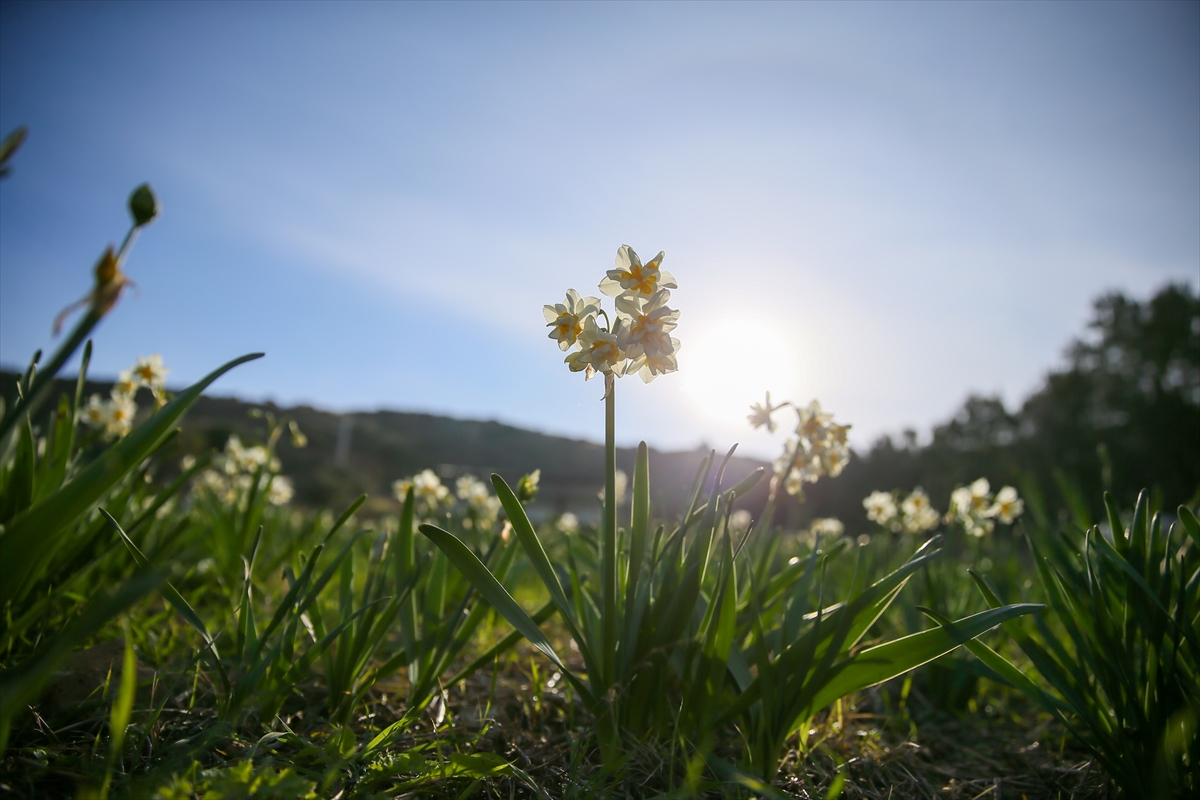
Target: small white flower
(600, 351)
(126, 384)
(1008, 506)
(827, 526)
(567, 523)
(280, 491)
(739, 521)
(149, 371)
(121, 410)
(646, 323)
(632, 276)
(812, 423)
(428, 486)
(96, 412)
(919, 514)
(881, 508)
(565, 319)
(620, 484)
(760, 415)
(981, 495)
(834, 460)
(471, 489)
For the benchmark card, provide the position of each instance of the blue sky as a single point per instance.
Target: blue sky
(896, 204)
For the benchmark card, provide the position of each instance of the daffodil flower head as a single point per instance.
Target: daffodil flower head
(280, 490)
(96, 412)
(637, 338)
(600, 350)
(1008, 506)
(760, 414)
(919, 513)
(121, 410)
(149, 371)
(565, 319)
(971, 506)
(126, 383)
(646, 323)
(632, 276)
(650, 365)
(812, 423)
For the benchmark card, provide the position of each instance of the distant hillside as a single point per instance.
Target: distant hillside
(350, 454)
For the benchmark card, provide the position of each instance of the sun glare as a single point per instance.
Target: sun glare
(733, 364)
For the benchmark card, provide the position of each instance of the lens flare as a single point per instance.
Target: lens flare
(732, 364)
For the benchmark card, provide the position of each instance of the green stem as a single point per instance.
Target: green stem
(609, 559)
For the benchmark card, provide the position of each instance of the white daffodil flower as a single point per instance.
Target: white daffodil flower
(567, 523)
(127, 384)
(651, 365)
(960, 501)
(881, 508)
(739, 521)
(760, 415)
(565, 319)
(981, 495)
(280, 491)
(632, 276)
(599, 349)
(919, 514)
(812, 423)
(121, 410)
(1008, 506)
(646, 323)
(428, 486)
(620, 483)
(827, 526)
(834, 460)
(149, 371)
(95, 413)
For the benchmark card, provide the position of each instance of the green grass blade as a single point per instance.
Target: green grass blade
(122, 709)
(22, 685)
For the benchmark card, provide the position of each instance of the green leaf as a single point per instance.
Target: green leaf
(883, 662)
(496, 595)
(532, 546)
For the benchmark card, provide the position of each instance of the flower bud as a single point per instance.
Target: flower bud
(143, 205)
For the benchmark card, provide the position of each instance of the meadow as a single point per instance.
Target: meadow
(183, 628)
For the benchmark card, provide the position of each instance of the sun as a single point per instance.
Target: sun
(732, 364)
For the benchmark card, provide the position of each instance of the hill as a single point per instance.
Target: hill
(364, 452)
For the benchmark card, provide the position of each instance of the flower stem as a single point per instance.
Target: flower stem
(609, 558)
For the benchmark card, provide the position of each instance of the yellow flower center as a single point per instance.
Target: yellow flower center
(640, 279)
(605, 352)
(567, 327)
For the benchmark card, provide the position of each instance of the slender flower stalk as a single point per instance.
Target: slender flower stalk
(610, 526)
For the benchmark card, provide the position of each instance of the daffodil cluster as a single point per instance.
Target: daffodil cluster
(114, 415)
(429, 494)
(977, 510)
(637, 338)
(482, 507)
(819, 447)
(914, 514)
(235, 470)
